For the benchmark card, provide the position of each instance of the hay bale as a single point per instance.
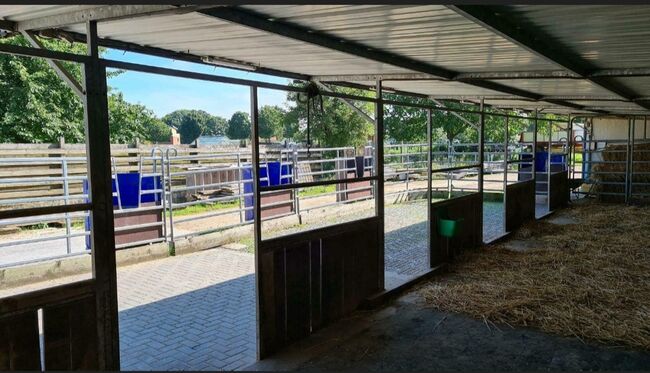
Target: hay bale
(615, 172)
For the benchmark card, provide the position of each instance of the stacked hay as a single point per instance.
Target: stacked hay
(589, 280)
(615, 172)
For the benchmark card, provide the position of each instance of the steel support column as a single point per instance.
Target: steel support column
(481, 158)
(379, 171)
(429, 181)
(505, 173)
(548, 166)
(257, 211)
(534, 151)
(101, 195)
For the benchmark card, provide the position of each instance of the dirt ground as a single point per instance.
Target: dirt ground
(408, 336)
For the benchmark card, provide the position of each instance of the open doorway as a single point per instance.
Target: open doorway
(406, 163)
(186, 272)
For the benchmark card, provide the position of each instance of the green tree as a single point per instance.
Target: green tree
(36, 106)
(216, 126)
(159, 132)
(271, 122)
(128, 121)
(335, 125)
(193, 123)
(239, 126)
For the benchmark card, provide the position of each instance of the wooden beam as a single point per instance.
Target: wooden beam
(101, 192)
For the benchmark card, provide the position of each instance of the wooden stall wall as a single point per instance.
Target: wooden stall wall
(520, 204)
(470, 209)
(69, 329)
(309, 279)
(559, 194)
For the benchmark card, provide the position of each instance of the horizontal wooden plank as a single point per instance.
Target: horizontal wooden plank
(315, 234)
(53, 295)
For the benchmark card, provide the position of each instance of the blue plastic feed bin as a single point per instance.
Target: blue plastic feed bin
(129, 191)
(557, 161)
(273, 170)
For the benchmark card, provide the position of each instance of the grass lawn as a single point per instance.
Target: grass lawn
(206, 207)
(314, 191)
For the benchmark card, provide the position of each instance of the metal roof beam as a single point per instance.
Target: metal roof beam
(349, 103)
(297, 32)
(57, 66)
(524, 33)
(166, 53)
(373, 77)
(492, 75)
(293, 31)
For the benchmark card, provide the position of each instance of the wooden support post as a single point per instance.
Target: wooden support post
(379, 171)
(101, 194)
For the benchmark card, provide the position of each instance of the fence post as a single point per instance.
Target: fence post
(239, 188)
(66, 198)
(296, 192)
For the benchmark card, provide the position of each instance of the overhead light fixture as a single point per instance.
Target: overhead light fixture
(224, 62)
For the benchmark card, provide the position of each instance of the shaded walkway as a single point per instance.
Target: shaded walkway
(385, 341)
(190, 312)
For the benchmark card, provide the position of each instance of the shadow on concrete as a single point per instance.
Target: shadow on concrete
(212, 328)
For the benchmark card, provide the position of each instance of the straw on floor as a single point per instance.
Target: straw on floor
(589, 280)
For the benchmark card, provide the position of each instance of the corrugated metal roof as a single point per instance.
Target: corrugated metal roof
(206, 36)
(431, 33)
(557, 87)
(607, 36)
(19, 13)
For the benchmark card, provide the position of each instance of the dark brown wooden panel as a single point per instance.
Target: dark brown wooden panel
(271, 312)
(70, 333)
(520, 204)
(333, 277)
(559, 190)
(315, 284)
(470, 209)
(19, 342)
(297, 274)
(311, 278)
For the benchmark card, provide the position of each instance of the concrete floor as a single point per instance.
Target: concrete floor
(408, 336)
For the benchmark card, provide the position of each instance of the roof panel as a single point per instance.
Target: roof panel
(438, 88)
(557, 87)
(608, 36)
(206, 36)
(432, 34)
(19, 13)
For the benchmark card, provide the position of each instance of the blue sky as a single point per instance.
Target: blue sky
(164, 94)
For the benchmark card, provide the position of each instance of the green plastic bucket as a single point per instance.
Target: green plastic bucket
(448, 228)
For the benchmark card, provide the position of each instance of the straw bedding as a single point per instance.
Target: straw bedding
(589, 280)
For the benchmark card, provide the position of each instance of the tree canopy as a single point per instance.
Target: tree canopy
(333, 124)
(193, 123)
(271, 122)
(239, 126)
(36, 106)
